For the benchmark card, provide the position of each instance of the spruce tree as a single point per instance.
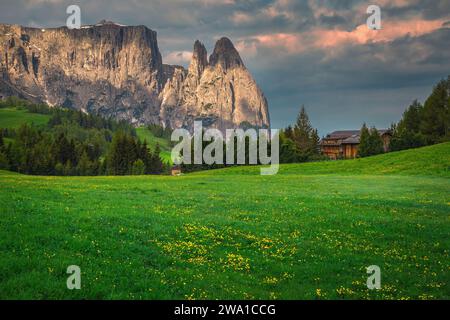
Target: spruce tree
(305, 137)
(146, 157)
(376, 142)
(4, 163)
(157, 165)
(84, 165)
(302, 132)
(288, 150)
(315, 141)
(364, 142)
(122, 154)
(116, 164)
(411, 118)
(289, 132)
(435, 124)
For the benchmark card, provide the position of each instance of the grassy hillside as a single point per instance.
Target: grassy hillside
(145, 134)
(432, 160)
(152, 140)
(223, 234)
(13, 118)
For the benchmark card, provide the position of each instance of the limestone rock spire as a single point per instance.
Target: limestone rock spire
(225, 55)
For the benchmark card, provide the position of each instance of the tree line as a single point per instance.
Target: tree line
(300, 142)
(424, 124)
(297, 143)
(370, 142)
(75, 143)
(420, 125)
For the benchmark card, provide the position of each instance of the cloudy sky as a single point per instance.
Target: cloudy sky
(319, 53)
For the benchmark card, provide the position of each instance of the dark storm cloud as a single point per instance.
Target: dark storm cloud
(428, 9)
(300, 52)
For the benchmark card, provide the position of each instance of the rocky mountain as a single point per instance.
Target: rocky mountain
(117, 71)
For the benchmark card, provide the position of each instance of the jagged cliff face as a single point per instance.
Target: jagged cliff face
(221, 92)
(118, 71)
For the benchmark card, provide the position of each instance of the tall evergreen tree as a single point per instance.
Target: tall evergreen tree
(4, 162)
(364, 142)
(289, 132)
(146, 157)
(435, 124)
(116, 161)
(157, 165)
(123, 153)
(302, 131)
(64, 150)
(370, 142)
(16, 156)
(406, 134)
(315, 141)
(376, 143)
(39, 159)
(411, 118)
(288, 150)
(84, 167)
(305, 137)
(427, 124)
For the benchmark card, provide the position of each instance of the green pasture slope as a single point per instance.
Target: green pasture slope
(145, 134)
(13, 118)
(307, 233)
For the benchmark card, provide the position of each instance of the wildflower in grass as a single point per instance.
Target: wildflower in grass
(198, 260)
(265, 243)
(196, 294)
(344, 292)
(425, 296)
(320, 294)
(186, 250)
(273, 296)
(294, 235)
(270, 280)
(248, 296)
(237, 262)
(287, 275)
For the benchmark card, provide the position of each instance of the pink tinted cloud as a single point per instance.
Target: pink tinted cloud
(239, 18)
(390, 31)
(294, 43)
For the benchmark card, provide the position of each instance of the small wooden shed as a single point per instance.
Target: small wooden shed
(176, 170)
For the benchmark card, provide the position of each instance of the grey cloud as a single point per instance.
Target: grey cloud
(332, 20)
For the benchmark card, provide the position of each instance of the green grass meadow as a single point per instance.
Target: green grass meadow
(308, 232)
(145, 134)
(13, 118)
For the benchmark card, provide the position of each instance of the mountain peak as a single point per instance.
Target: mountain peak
(200, 53)
(199, 59)
(108, 22)
(118, 72)
(225, 54)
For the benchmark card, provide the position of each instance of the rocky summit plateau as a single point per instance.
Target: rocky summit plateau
(117, 71)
